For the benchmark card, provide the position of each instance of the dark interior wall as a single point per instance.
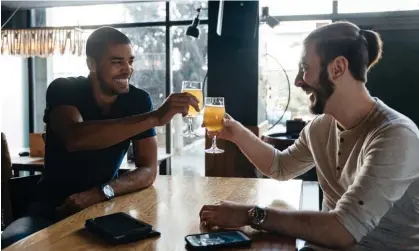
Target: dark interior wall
(233, 58)
(395, 79)
(233, 73)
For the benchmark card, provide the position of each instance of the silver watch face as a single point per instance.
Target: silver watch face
(108, 191)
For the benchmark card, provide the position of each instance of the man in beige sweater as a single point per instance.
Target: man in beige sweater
(365, 153)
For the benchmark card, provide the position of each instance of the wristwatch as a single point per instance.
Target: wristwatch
(257, 215)
(108, 191)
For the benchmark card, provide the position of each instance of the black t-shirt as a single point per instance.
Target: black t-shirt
(67, 172)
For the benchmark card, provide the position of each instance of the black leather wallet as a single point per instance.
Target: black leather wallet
(120, 228)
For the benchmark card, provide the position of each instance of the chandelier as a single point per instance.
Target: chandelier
(42, 42)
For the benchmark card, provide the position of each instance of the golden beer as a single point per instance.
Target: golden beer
(213, 117)
(198, 94)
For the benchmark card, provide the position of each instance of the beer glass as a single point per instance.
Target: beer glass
(214, 112)
(194, 88)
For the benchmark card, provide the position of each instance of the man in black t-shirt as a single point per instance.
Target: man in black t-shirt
(90, 124)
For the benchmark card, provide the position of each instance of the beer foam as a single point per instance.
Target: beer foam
(190, 89)
(218, 106)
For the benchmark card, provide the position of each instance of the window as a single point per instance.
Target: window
(188, 55)
(357, 6)
(185, 10)
(103, 14)
(280, 51)
(297, 7)
(188, 63)
(149, 65)
(149, 49)
(14, 113)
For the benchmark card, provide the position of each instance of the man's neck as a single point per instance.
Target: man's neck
(103, 100)
(350, 107)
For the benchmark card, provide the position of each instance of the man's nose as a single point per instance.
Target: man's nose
(126, 68)
(299, 81)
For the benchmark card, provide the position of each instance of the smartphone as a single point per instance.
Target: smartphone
(120, 228)
(215, 240)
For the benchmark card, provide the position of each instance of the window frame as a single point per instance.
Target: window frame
(392, 19)
(167, 23)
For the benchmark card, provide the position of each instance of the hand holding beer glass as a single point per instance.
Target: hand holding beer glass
(214, 113)
(194, 88)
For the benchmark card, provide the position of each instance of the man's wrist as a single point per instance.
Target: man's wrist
(153, 118)
(257, 216)
(108, 191)
(248, 221)
(240, 137)
(97, 195)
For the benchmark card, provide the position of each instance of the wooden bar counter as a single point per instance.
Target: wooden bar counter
(172, 206)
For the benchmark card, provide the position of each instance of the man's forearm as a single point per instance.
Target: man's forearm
(319, 228)
(258, 152)
(99, 134)
(134, 180)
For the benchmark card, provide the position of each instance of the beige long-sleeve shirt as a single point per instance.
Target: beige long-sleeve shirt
(369, 175)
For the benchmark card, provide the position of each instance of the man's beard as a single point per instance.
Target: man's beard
(321, 92)
(104, 86)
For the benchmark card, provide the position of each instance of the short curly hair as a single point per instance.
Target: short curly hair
(97, 43)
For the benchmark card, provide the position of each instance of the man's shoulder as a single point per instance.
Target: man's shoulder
(67, 84)
(390, 120)
(67, 91)
(320, 123)
(317, 131)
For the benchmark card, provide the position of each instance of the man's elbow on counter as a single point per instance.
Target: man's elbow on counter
(152, 176)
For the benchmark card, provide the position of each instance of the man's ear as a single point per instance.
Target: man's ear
(91, 64)
(338, 67)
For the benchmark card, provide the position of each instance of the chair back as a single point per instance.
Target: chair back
(6, 174)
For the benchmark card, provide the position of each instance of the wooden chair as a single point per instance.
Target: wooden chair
(16, 193)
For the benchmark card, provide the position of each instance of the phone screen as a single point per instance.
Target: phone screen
(119, 224)
(211, 239)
